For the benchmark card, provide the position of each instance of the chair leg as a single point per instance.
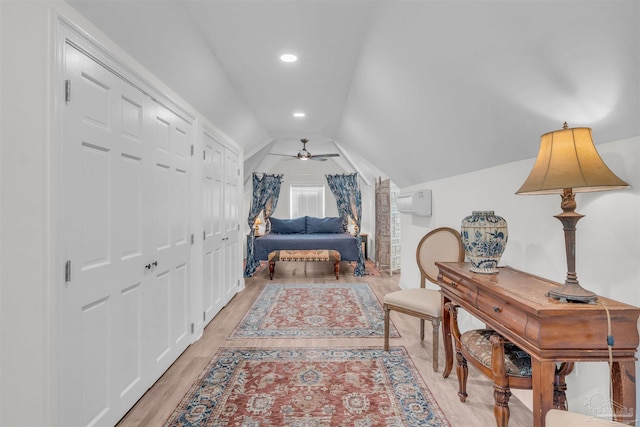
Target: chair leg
(462, 371)
(501, 405)
(421, 329)
(559, 386)
(386, 327)
(436, 332)
(501, 390)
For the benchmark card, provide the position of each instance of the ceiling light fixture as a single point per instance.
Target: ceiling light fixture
(299, 114)
(288, 57)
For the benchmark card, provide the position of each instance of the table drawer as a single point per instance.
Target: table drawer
(461, 288)
(503, 313)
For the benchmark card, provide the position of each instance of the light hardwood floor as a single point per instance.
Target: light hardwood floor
(158, 403)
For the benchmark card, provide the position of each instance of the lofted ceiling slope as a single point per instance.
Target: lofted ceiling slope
(410, 90)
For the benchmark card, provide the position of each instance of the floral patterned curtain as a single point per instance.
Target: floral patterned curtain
(347, 192)
(266, 190)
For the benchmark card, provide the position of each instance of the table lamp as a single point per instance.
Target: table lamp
(256, 225)
(567, 163)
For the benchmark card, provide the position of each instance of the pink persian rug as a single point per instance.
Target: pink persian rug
(314, 310)
(301, 387)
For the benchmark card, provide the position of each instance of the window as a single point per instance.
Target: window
(307, 200)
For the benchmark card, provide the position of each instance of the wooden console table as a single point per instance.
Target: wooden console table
(514, 304)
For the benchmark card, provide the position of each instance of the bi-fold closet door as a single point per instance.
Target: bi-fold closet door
(213, 254)
(220, 203)
(126, 189)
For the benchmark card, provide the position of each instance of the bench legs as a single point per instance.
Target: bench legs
(272, 267)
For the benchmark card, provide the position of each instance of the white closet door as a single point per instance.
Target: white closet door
(124, 210)
(231, 224)
(213, 266)
(103, 156)
(166, 300)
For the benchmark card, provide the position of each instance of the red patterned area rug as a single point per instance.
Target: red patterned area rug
(309, 388)
(322, 310)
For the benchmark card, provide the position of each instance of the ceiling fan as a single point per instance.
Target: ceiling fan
(305, 155)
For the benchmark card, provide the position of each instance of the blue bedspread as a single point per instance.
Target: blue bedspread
(345, 243)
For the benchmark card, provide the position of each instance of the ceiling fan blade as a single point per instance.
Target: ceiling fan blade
(327, 155)
(318, 159)
(285, 155)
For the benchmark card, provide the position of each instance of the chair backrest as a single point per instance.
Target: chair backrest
(441, 244)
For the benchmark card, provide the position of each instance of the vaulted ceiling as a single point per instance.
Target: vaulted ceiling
(410, 90)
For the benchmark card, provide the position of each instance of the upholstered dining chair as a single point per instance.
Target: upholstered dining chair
(497, 359)
(441, 244)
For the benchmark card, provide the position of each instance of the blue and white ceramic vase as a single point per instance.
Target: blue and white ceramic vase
(484, 237)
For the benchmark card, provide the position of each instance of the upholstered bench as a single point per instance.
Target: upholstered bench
(304, 255)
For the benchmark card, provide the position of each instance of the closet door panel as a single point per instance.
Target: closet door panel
(180, 232)
(132, 157)
(169, 242)
(178, 305)
(231, 223)
(130, 384)
(90, 298)
(125, 230)
(156, 327)
(213, 209)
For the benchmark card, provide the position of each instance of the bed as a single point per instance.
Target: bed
(307, 233)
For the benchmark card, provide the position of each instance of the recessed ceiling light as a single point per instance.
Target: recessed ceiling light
(299, 114)
(288, 57)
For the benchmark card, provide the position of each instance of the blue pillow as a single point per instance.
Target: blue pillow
(324, 225)
(288, 226)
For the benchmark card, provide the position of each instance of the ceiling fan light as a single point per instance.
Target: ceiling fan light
(288, 57)
(299, 114)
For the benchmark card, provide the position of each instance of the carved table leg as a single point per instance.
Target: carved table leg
(501, 391)
(462, 370)
(337, 268)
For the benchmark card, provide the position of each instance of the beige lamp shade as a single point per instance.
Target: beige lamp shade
(569, 159)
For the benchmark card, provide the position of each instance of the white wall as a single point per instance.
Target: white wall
(607, 238)
(27, 235)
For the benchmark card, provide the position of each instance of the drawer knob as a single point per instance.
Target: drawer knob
(454, 284)
(497, 309)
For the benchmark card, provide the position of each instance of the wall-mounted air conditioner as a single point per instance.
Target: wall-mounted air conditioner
(416, 202)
